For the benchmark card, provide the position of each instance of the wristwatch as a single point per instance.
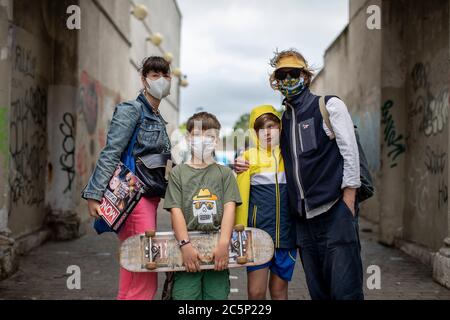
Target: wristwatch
(183, 242)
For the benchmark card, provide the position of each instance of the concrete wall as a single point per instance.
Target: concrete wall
(426, 102)
(393, 125)
(164, 18)
(30, 79)
(105, 78)
(414, 121)
(5, 101)
(395, 82)
(352, 72)
(58, 91)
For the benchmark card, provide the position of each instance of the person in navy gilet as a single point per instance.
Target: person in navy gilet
(323, 175)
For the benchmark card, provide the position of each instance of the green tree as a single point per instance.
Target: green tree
(182, 127)
(242, 122)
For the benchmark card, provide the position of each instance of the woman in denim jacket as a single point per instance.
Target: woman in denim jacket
(152, 138)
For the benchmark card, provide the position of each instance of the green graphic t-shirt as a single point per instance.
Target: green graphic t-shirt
(201, 194)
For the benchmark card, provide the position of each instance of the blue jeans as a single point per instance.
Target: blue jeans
(330, 252)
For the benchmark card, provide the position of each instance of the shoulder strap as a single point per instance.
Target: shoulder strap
(326, 116)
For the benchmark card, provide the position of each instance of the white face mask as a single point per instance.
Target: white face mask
(158, 89)
(202, 148)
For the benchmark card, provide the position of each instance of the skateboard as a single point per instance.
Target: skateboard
(159, 251)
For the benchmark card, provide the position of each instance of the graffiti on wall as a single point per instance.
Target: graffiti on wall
(27, 146)
(25, 62)
(90, 99)
(96, 105)
(81, 158)
(435, 161)
(27, 130)
(4, 134)
(101, 137)
(420, 193)
(368, 124)
(67, 158)
(442, 194)
(395, 142)
(430, 110)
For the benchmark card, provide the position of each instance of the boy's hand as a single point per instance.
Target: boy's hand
(190, 258)
(221, 256)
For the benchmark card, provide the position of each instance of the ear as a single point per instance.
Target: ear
(307, 76)
(273, 81)
(144, 82)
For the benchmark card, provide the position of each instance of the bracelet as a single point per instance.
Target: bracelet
(183, 243)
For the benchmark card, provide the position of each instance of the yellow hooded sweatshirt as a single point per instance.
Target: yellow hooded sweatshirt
(268, 205)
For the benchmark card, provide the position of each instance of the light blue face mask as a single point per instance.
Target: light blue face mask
(290, 87)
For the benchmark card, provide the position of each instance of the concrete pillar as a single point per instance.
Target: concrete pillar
(8, 256)
(393, 125)
(61, 195)
(441, 263)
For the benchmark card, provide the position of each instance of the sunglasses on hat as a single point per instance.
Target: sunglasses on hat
(208, 205)
(281, 74)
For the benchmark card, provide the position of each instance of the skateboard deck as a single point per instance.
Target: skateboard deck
(159, 251)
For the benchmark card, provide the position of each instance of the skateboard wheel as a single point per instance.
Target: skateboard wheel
(242, 260)
(239, 228)
(150, 233)
(150, 266)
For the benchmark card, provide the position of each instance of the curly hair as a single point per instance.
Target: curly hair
(309, 72)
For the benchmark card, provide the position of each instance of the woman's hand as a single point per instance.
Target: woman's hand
(94, 208)
(221, 256)
(190, 258)
(241, 165)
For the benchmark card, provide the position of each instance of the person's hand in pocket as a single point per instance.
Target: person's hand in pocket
(349, 199)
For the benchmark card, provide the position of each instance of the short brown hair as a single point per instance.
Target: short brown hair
(309, 72)
(207, 120)
(262, 119)
(155, 64)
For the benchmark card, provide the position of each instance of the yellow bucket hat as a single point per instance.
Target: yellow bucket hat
(205, 194)
(290, 61)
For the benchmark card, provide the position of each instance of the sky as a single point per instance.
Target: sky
(226, 46)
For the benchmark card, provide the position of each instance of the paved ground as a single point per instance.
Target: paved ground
(43, 272)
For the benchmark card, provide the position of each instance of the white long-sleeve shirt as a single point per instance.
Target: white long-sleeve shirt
(344, 132)
(342, 126)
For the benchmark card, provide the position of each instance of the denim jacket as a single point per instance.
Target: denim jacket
(152, 138)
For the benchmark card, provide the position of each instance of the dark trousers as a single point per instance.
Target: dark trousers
(330, 252)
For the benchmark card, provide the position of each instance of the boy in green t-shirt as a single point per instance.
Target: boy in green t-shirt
(202, 196)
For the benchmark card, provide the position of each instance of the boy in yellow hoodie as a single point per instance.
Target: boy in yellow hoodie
(265, 204)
